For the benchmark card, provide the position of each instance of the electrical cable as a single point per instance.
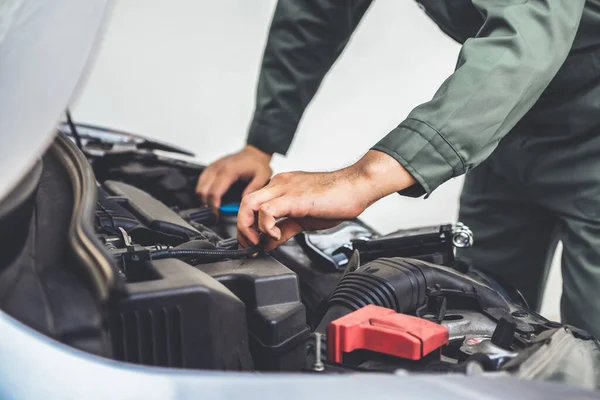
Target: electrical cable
(208, 253)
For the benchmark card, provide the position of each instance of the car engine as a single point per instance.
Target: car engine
(175, 290)
(340, 300)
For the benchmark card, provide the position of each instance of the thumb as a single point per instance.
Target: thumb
(256, 183)
(290, 227)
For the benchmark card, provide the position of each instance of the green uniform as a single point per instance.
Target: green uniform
(523, 106)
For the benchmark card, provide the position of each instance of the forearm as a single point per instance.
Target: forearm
(305, 39)
(500, 75)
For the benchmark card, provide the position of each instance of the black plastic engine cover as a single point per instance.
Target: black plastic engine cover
(177, 316)
(276, 316)
(317, 279)
(151, 212)
(431, 243)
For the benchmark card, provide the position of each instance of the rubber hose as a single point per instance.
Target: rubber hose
(404, 285)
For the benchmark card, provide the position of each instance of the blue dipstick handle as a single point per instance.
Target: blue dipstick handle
(230, 208)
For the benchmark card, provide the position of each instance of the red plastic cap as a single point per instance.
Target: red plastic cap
(384, 331)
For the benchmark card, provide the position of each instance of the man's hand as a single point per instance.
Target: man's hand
(249, 164)
(298, 201)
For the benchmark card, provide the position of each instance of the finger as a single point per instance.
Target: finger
(289, 227)
(220, 184)
(246, 219)
(243, 242)
(250, 234)
(270, 211)
(258, 182)
(245, 222)
(204, 182)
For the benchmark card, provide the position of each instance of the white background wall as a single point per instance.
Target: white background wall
(184, 71)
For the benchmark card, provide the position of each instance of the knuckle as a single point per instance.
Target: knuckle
(217, 165)
(226, 170)
(266, 209)
(217, 192)
(246, 201)
(280, 177)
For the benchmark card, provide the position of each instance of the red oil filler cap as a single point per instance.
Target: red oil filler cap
(384, 331)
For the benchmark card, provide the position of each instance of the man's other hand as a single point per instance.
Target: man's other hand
(249, 164)
(298, 201)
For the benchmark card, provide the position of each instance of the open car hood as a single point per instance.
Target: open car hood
(46, 48)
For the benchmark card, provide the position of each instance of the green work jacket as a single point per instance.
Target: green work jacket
(511, 51)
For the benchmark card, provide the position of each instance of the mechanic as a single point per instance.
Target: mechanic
(523, 107)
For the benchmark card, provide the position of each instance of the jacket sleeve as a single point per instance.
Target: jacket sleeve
(305, 39)
(500, 75)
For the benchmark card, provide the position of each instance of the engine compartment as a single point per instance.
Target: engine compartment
(146, 275)
(175, 311)
(276, 309)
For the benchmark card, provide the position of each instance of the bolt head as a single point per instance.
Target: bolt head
(520, 314)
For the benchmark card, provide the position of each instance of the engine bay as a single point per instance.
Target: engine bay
(130, 266)
(194, 300)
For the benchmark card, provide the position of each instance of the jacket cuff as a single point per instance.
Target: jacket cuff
(271, 138)
(424, 153)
